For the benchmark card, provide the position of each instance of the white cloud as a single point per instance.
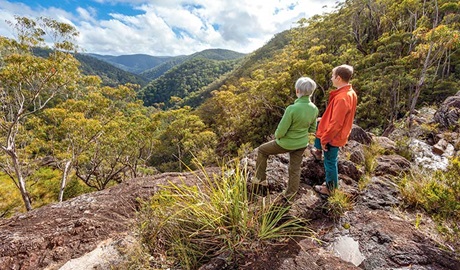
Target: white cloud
(170, 27)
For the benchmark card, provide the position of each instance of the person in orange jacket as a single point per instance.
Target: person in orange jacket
(335, 125)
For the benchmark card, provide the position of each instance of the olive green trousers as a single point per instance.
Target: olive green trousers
(295, 160)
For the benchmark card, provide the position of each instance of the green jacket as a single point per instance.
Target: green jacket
(298, 120)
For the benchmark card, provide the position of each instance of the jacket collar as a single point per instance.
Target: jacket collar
(342, 89)
(303, 99)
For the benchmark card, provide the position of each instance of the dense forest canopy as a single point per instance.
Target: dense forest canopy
(184, 80)
(64, 133)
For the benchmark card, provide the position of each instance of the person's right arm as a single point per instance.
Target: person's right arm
(284, 124)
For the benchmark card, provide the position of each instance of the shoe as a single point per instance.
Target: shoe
(323, 190)
(317, 154)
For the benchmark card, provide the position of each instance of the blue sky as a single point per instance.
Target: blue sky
(168, 27)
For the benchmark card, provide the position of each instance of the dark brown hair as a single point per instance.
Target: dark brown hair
(344, 71)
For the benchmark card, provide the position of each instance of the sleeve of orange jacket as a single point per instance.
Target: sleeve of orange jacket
(340, 110)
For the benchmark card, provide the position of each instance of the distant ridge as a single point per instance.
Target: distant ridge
(211, 54)
(109, 74)
(135, 63)
(186, 77)
(144, 64)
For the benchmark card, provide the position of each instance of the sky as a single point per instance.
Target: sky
(168, 27)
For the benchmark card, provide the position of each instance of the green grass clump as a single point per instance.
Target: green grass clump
(338, 203)
(371, 153)
(438, 193)
(189, 225)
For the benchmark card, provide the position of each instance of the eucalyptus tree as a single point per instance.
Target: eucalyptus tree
(102, 137)
(29, 83)
(180, 138)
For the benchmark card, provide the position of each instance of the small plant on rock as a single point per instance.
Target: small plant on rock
(338, 203)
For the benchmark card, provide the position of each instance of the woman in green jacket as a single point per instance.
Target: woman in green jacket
(291, 136)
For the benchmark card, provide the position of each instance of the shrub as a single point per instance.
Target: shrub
(438, 193)
(10, 197)
(189, 225)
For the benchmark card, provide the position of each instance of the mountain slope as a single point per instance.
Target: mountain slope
(186, 77)
(109, 74)
(213, 54)
(156, 72)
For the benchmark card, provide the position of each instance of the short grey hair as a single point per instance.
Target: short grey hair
(306, 86)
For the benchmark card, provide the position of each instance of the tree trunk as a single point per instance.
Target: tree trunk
(64, 180)
(21, 181)
(180, 158)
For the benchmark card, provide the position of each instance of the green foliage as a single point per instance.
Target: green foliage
(180, 138)
(402, 147)
(371, 153)
(10, 197)
(338, 203)
(76, 187)
(192, 224)
(184, 79)
(28, 84)
(44, 186)
(438, 193)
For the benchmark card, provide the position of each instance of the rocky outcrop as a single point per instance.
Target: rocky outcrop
(48, 237)
(448, 114)
(392, 165)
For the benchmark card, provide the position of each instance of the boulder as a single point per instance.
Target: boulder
(391, 165)
(386, 143)
(360, 135)
(355, 151)
(448, 114)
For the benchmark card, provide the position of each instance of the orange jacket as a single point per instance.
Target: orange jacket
(336, 122)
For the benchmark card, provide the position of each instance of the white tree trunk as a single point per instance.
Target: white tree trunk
(21, 181)
(64, 180)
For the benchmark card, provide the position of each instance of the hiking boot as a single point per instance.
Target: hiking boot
(323, 190)
(317, 154)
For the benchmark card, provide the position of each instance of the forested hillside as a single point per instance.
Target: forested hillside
(184, 81)
(214, 54)
(153, 73)
(109, 74)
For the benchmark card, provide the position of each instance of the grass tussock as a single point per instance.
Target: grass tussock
(338, 203)
(437, 193)
(188, 225)
(371, 153)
